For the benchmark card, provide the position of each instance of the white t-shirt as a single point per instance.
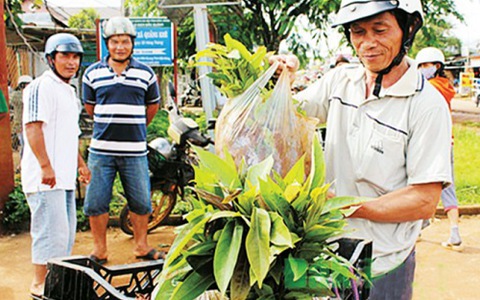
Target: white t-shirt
(377, 145)
(50, 100)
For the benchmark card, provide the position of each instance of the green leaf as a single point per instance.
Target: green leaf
(226, 253)
(246, 201)
(224, 214)
(206, 180)
(273, 197)
(337, 267)
(319, 233)
(233, 44)
(317, 171)
(279, 235)
(260, 171)
(296, 173)
(298, 266)
(275, 251)
(343, 202)
(184, 237)
(225, 173)
(257, 244)
(292, 191)
(258, 57)
(240, 282)
(318, 198)
(193, 286)
(206, 64)
(295, 277)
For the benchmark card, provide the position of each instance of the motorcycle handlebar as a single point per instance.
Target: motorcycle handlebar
(196, 138)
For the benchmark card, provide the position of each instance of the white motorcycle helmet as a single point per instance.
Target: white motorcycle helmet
(353, 10)
(117, 26)
(162, 146)
(408, 11)
(430, 55)
(24, 80)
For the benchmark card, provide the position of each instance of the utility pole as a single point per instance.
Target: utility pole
(202, 38)
(6, 160)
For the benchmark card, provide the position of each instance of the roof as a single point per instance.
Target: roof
(63, 14)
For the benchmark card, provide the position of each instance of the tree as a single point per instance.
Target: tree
(266, 22)
(84, 19)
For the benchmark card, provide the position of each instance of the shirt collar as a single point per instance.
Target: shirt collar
(131, 64)
(407, 85)
(54, 76)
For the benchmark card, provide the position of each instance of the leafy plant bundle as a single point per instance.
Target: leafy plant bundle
(255, 235)
(235, 67)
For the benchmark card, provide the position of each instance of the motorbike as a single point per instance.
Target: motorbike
(191, 96)
(170, 167)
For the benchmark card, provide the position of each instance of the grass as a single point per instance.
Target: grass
(467, 162)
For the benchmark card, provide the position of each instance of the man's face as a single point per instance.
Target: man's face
(377, 40)
(120, 47)
(67, 63)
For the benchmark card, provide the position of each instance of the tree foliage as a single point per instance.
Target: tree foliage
(84, 19)
(266, 22)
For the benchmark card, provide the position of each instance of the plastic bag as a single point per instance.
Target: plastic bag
(252, 130)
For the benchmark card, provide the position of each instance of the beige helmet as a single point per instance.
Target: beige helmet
(117, 26)
(430, 55)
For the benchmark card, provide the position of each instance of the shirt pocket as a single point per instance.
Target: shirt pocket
(382, 166)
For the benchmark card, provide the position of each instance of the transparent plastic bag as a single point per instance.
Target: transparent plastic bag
(252, 130)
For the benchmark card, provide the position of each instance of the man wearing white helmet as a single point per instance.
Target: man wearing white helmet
(123, 96)
(431, 62)
(388, 136)
(51, 157)
(16, 104)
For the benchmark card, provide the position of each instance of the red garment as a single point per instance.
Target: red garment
(444, 86)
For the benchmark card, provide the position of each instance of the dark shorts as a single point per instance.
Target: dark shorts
(396, 284)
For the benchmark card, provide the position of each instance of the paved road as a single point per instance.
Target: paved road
(464, 110)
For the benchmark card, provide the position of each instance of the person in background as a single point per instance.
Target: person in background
(16, 103)
(51, 156)
(431, 63)
(388, 136)
(123, 96)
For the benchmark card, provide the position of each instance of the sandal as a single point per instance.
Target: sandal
(100, 261)
(153, 254)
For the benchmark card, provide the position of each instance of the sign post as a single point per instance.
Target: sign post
(6, 159)
(200, 15)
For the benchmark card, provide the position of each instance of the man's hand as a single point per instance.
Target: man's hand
(290, 62)
(84, 175)
(48, 176)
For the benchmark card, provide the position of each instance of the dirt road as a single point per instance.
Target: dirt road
(440, 275)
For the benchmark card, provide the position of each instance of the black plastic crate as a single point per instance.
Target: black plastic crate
(359, 253)
(79, 278)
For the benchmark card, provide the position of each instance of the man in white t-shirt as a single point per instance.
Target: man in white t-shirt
(388, 136)
(51, 157)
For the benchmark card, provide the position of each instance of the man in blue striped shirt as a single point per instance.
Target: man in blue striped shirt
(122, 95)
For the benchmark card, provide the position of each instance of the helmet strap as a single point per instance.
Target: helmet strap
(407, 40)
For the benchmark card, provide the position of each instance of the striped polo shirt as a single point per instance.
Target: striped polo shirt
(120, 122)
